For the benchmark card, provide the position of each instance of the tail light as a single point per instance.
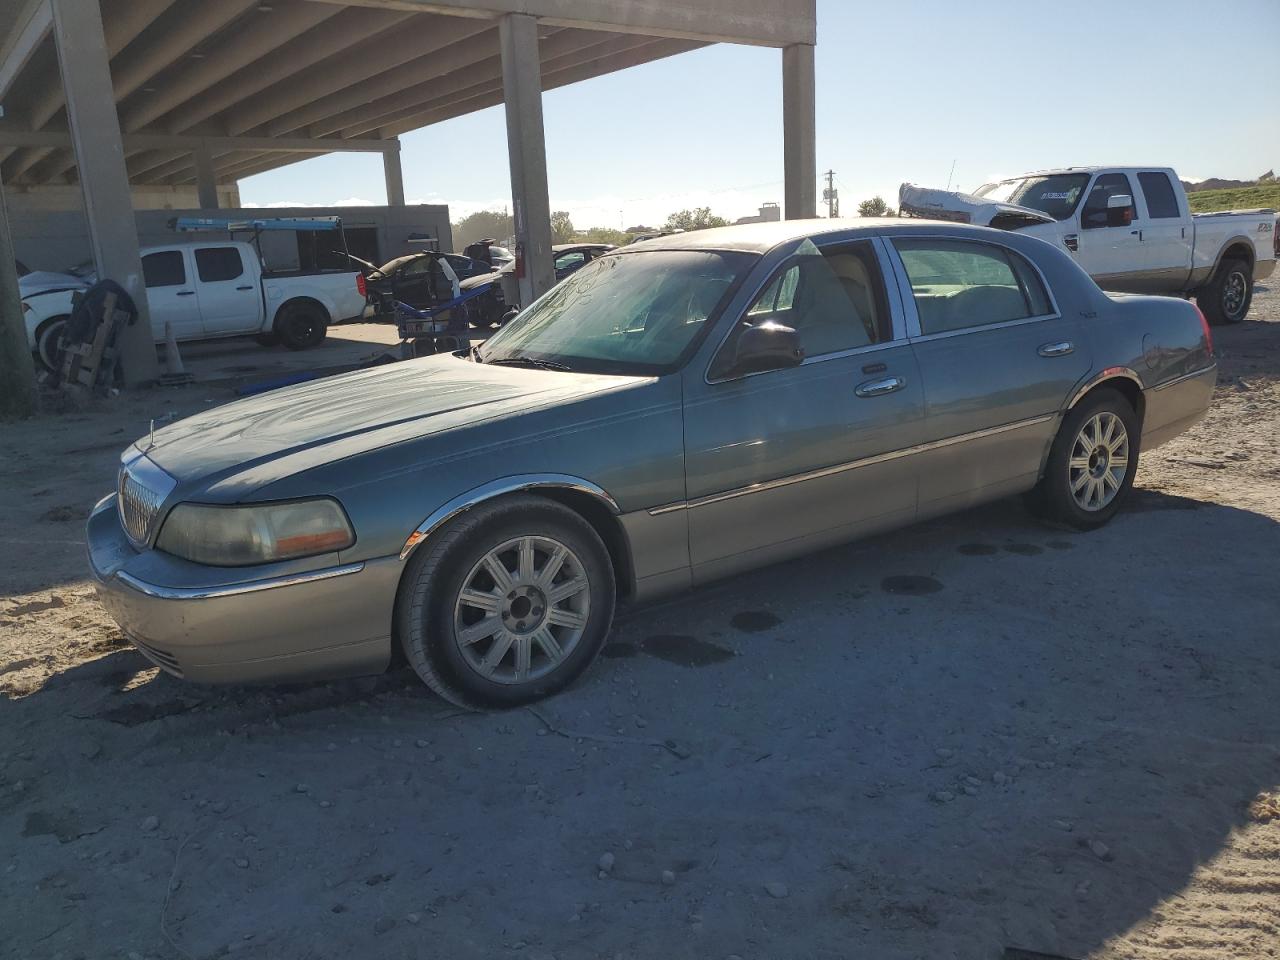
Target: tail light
(361, 286)
(1204, 325)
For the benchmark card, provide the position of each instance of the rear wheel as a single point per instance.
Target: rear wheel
(507, 604)
(49, 342)
(1092, 463)
(301, 325)
(1226, 298)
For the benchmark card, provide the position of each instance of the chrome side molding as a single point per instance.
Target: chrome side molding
(1110, 373)
(851, 465)
(234, 589)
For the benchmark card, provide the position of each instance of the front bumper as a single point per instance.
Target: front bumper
(244, 625)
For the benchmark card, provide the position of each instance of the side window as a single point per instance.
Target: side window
(959, 284)
(164, 269)
(215, 264)
(1097, 213)
(567, 261)
(416, 268)
(834, 298)
(1162, 202)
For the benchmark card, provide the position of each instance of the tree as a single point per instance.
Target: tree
(603, 235)
(483, 223)
(699, 218)
(561, 227)
(875, 207)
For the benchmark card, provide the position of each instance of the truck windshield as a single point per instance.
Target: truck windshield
(1055, 194)
(637, 314)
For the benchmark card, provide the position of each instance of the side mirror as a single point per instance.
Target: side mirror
(768, 345)
(1119, 210)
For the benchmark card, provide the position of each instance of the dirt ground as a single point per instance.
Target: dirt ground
(1060, 742)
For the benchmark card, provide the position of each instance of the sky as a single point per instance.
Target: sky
(905, 89)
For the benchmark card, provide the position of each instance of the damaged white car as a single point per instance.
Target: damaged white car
(1131, 228)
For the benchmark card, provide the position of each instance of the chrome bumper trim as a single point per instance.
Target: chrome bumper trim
(1186, 376)
(851, 465)
(233, 589)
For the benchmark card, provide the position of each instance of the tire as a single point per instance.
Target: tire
(473, 654)
(487, 314)
(49, 342)
(301, 325)
(1080, 487)
(1226, 298)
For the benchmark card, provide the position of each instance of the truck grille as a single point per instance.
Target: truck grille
(142, 492)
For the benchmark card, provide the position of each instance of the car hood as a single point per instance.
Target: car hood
(249, 443)
(480, 280)
(46, 281)
(963, 207)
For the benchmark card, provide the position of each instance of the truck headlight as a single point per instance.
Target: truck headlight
(261, 533)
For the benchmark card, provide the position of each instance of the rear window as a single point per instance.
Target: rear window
(215, 264)
(1162, 202)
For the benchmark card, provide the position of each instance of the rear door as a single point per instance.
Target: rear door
(997, 360)
(414, 282)
(1110, 238)
(1166, 234)
(784, 461)
(171, 294)
(230, 301)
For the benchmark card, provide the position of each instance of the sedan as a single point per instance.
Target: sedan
(423, 279)
(674, 412)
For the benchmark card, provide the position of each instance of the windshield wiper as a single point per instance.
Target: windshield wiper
(529, 362)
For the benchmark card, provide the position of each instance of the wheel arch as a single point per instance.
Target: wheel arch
(1121, 379)
(589, 500)
(298, 301)
(1237, 248)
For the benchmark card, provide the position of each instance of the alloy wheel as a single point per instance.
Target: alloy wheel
(1099, 461)
(522, 610)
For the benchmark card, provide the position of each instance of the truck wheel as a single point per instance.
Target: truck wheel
(301, 325)
(49, 342)
(1226, 298)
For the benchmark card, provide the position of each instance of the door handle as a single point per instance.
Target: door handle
(186, 293)
(244, 288)
(1136, 233)
(1059, 349)
(878, 388)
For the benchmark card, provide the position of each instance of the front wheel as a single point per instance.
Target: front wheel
(507, 604)
(1226, 298)
(49, 342)
(1092, 463)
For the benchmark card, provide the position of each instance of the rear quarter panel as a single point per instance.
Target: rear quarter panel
(336, 292)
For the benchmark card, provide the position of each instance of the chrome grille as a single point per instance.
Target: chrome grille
(142, 492)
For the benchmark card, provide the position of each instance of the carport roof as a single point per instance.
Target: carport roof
(257, 82)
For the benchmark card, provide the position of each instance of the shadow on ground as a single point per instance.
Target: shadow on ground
(969, 734)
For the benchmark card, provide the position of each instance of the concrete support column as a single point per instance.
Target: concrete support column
(522, 89)
(104, 182)
(17, 373)
(799, 138)
(206, 179)
(393, 173)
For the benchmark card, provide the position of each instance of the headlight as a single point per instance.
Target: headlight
(262, 533)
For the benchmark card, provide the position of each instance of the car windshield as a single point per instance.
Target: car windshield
(637, 314)
(1055, 194)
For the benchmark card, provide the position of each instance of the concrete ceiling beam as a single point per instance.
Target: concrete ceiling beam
(335, 36)
(222, 59)
(324, 79)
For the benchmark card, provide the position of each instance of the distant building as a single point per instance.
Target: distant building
(769, 213)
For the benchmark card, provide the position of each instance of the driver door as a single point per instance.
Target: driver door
(781, 462)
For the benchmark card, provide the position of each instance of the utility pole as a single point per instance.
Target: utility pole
(17, 374)
(831, 195)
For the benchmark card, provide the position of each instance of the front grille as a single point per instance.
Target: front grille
(142, 492)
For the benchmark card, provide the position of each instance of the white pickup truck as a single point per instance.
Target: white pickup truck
(214, 289)
(1130, 228)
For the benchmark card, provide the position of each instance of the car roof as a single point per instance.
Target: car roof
(565, 247)
(1055, 171)
(762, 237)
